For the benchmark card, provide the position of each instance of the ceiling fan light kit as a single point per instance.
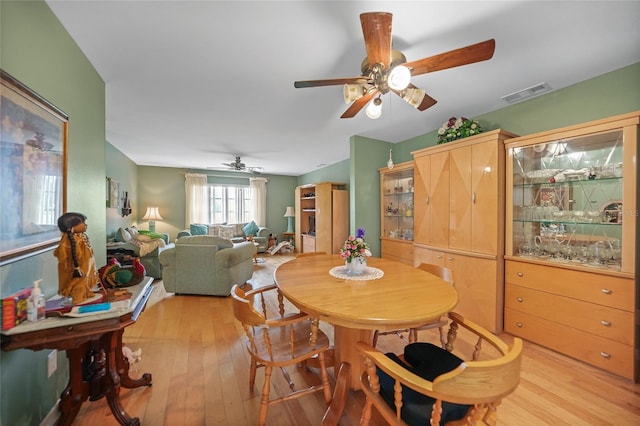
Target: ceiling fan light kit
(385, 69)
(374, 110)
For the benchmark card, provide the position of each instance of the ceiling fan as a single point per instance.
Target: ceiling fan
(385, 69)
(239, 166)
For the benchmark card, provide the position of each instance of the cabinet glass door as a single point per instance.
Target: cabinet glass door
(567, 200)
(397, 204)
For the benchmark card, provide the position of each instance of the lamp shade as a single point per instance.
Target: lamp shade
(152, 214)
(289, 212)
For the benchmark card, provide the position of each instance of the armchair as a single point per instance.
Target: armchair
(429, 382)
(202, 264)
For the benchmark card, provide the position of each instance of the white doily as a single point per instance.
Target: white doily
(342, 272)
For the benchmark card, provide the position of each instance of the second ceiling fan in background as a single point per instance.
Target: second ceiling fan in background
(385, 69)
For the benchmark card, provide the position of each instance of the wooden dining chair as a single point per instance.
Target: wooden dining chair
(446, 275)
(340, 394)
(278, 339)
(431, 385)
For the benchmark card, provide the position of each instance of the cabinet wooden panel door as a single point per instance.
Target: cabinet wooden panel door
(425, 255)
(340, 219)
(460, 201)
(476, 281)
(479, 296)
(432, 193)
(487, 197)
(475, 204)
(422, 210)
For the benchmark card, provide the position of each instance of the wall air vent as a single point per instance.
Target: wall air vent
(529, 92)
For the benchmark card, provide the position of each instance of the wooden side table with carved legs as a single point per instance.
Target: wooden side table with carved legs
(97, 367)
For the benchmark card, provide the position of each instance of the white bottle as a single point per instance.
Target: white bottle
(36, 303)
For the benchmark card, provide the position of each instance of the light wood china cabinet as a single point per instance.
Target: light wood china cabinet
(571, 236)
(459, 219)
(322, 217)
(396, 215)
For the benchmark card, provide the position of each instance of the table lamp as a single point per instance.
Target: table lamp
(289, 214)
(152, 215)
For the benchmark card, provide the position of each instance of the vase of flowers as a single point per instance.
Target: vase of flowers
(355, 252)
(457, 128)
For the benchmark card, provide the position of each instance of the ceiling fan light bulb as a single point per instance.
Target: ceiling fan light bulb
(399, 77)
(374, 109)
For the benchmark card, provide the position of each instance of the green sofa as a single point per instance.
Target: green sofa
(234, 232)
(206, 265)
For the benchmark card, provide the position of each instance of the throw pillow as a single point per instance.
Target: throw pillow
(250, 229)
(152, 235)
(122, 235)
(197, 229)
(225, 231)
(133, 231)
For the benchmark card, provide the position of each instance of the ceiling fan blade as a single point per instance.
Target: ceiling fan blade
(358, 104)
(376, 29)
(329, 82)
(454, 58)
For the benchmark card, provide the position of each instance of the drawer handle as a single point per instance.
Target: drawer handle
(70, 328)
(606, 291)
(605, 355)
(519, 324)
(605, 323)
(519, 299)
(439, 257)
(520, 274)
(450, 258)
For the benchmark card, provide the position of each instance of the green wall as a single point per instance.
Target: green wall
(125, 171)
(36, 49)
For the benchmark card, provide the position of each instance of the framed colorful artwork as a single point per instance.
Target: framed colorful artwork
(33, 170)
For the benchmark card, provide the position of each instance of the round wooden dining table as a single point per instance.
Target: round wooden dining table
(391, 296)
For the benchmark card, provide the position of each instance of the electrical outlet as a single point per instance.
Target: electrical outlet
(52, 362)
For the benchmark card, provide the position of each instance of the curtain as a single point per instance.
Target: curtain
(259, 200)
(196, 198)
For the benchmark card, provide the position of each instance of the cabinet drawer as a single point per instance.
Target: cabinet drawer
(598, 351)
(604, 290)
(603, 321)
(400, 251)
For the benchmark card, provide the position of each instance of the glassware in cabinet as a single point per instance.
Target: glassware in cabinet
(567, 197)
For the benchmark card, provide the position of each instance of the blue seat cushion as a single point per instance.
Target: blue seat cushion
(427, 361)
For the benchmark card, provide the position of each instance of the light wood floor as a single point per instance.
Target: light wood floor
(194, 348)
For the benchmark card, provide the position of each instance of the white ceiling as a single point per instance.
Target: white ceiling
(194, 83)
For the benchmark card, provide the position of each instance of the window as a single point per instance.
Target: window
(228, 204)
